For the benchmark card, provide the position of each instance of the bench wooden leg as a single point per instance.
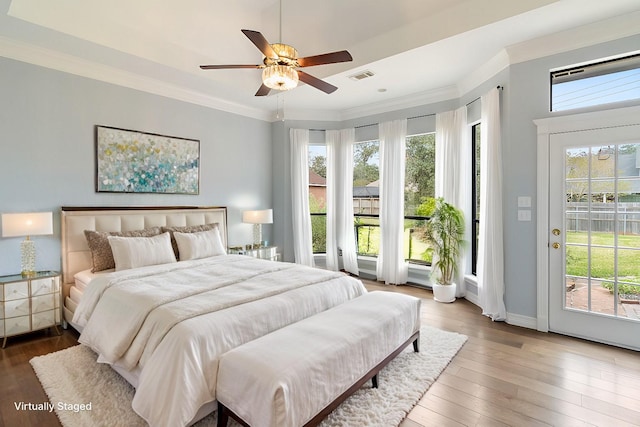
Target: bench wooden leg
(223, 416)
(416, 345)
(374, 381)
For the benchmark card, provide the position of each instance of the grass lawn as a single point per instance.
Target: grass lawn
(603, 259)
(369, 240)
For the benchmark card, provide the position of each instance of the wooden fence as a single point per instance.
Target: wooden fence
(603, 217)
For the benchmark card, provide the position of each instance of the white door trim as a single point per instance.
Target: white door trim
(546, 127)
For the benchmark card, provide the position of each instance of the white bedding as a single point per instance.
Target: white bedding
(287, 377)
(173, 321)
(82, 278)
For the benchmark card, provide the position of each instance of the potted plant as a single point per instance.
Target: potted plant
(445, 234)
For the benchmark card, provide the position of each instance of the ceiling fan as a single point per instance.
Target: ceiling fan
(281, 65)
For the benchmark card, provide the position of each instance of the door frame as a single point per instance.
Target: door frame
(547, 127)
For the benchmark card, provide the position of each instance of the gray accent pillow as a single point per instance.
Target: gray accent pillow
(186, 229)
(101, 254)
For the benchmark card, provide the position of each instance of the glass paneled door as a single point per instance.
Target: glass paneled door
(594, 236)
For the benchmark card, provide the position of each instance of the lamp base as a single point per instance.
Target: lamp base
(28, 257)
(257, 235)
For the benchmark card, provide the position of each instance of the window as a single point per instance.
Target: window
(419, 196)
(366, 196)
(475, 189)
(598, 83)
(419, 193)
(318, 196)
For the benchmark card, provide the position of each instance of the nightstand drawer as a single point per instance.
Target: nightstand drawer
(29, 303)
(43, 320)
(16, 325)
(42, 286)
(16, 290)
(15, 308)
(42, 303)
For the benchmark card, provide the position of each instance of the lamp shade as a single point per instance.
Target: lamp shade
(258, 217)
(27, 224)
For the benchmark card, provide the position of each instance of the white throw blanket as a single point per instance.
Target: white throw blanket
(174, 321)
(286, 378)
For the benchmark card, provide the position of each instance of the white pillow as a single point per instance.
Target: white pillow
(200, 244)
(133, 252)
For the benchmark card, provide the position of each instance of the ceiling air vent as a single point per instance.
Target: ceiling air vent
(361, 75)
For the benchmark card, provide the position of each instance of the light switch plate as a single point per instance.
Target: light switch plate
(524, 202)
(524, 215)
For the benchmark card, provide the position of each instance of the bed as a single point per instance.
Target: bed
(163, 327)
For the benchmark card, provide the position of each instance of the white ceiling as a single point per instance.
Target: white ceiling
(419, 50)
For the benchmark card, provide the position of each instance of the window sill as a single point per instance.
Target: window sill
(418, 273)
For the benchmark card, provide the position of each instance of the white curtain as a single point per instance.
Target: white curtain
(301, 218)
(340, 229)
(490, 251)
(453, 175)
(391, 265)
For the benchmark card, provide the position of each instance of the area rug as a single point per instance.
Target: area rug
(72, 377)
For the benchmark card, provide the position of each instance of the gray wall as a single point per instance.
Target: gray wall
(47, 121)
(527, 100)
(525, 97)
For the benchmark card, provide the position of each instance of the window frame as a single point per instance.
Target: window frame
(600, 67)
(377, 216)
(475, 196)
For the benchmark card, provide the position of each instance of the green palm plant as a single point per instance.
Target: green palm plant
(445, 233)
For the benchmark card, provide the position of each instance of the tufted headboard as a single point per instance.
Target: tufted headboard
(75, 251)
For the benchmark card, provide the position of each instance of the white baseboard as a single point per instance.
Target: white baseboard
(523, 321)
(473, 298)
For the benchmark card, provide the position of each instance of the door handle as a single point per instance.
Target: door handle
(555, 245)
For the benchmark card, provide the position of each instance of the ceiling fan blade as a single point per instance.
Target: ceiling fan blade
(261, 43)
(326, 58)
(316, 82)
(224, 67)
(263, 91)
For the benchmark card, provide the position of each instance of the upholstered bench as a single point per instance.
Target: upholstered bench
(297, 375)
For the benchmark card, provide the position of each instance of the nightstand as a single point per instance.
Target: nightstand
(29, 303)
(267, 252)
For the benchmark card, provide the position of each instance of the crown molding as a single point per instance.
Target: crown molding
(414, 100)
(302, 114)
(607, 30)
(47, 58)
(587, 35)
(484, 72)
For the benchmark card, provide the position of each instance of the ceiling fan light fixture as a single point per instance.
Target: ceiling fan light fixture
(280, 77)
(285, 52)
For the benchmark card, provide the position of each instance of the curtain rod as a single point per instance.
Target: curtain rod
(499, 87)
(471, 102)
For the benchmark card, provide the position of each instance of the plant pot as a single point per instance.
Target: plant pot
(444, 293)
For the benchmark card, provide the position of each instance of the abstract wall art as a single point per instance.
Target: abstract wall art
(130, 161)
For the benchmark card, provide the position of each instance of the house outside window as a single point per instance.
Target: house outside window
(318, 196)
(419, 196)
(366, 195)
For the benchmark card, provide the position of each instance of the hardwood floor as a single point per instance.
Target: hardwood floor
(510, 376)
(18, 382)
(503, 376)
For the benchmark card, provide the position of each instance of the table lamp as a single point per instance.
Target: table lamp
(257, 218)
(27, 224)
